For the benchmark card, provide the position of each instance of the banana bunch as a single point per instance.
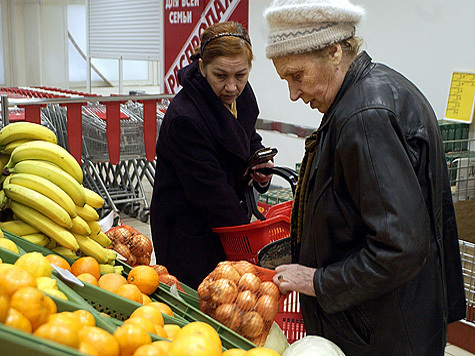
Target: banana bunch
(42, 186)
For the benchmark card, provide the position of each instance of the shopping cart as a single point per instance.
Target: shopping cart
(252, 242)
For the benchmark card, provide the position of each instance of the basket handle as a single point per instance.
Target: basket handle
(290, 175)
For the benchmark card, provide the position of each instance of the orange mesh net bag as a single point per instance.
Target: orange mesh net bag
(241, 296)
(132, 244)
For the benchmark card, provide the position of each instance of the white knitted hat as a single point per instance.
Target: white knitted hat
(299, 26)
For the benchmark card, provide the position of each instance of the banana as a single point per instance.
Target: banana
(38, 239)
(18, 227)
(118, 269)
(80, 226)
(89, 247)
(65, 252)
(45, 187)
(106, 268)
(50, 152)
(101, 238)
(87, 212)
(25, 131)
(8, 148)
(48, 227)
(94, 226)
(111, 256)
(93, 199)
(54, 174)
(3, 200)
(51, 244)
(39, 202)
(3, 161)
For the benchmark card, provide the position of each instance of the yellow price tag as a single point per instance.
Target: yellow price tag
(461, 100)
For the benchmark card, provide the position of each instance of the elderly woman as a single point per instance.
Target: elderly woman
(374, 239)
(206, 139)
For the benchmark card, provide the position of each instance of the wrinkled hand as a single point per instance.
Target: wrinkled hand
(295, 277)
(258, 176)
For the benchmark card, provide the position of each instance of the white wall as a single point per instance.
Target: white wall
(426, 40)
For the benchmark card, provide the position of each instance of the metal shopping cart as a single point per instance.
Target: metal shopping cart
(266, 242)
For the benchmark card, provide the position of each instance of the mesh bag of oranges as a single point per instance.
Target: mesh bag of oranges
(132, 244)
(242, 297)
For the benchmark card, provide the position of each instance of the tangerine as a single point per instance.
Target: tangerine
(66, 317)
(8, 244)
(234, 352)
(130, 338)
(164, 308)
(101, 340)
(201, 329)
(31, 303)
(261, 351)
(4, 304)
(86, 264)
(50, 305)
(145, 278)
(89, 278)
(111, 281)
(143, 322)
(194, 345)
(14, 278)
(130, 291)
(163, 344)
(146, 299)
(87, 349)
(171, 330)
(150, 313)
(160, 331)
(85, 318)
(150, 350)
(59, 331)
(17, 320)
(59, 261)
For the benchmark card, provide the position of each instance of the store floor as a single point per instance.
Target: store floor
(144, 228)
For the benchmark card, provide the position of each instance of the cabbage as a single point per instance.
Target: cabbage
(276, 340)
(312, 345)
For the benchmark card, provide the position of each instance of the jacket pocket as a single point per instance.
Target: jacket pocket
(352, 325)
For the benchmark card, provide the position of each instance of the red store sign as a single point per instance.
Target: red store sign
(185, 20)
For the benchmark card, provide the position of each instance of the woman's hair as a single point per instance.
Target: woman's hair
(228, 39)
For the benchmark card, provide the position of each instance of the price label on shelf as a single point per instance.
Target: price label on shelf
(460, 104)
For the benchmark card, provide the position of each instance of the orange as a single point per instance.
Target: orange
(66, 317)
(145, 278)
(31, 302)
(201, 329)
(171, 330)
(86, 264)
(111, 281)
(194, 345)
(234, 352)
(59, 261)
(17, 320)
(87, 349)
(164, 308)
(130, 291)
(261, 351)
(4, 304)
(163, 344)
(16, 277)
(59, 331)
(105, 343)
(149, 313)
(141, 321)
(130, 338)
(85, 317)
(89, 278)
(146, 299)
(160, 331)
(8, 244)
(150, 350)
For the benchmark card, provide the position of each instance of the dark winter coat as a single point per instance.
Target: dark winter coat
(379, 223)
(200, 150)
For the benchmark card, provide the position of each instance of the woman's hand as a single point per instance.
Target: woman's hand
(259, 177)
(295, 277)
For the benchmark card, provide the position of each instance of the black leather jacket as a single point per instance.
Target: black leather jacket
(379, 223)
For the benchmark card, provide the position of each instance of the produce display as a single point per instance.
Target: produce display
(243, 297)
(42, 197)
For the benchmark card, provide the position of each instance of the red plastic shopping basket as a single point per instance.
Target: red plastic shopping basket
(243, 242)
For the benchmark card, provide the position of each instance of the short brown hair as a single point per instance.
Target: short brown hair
(228, 39)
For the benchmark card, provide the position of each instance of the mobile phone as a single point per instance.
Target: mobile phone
(260, 156)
